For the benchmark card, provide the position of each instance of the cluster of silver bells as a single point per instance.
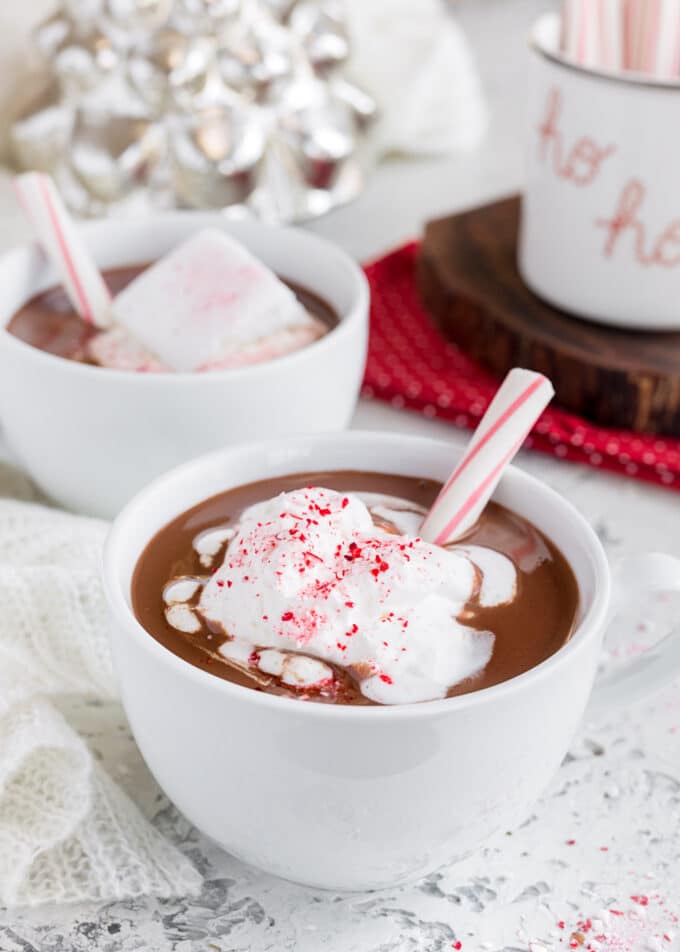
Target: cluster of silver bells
(198, 103)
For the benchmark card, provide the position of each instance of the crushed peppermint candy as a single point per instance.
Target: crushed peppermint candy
(644, 924)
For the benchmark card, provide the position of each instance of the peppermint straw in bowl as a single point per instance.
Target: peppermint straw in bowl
(517, 405)
(58, 235)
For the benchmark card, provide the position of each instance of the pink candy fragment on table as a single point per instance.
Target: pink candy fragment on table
(210, 304)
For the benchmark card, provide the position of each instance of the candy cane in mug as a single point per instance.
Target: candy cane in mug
(518, 403)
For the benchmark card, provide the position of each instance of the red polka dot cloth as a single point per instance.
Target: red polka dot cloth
(410, 364)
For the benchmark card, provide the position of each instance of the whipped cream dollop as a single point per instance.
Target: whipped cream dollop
(309, 580)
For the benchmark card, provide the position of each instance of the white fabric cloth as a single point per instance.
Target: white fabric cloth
(67, 832)
(414, 59)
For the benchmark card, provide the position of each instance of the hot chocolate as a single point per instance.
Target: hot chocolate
(317, 586)
(49, 322)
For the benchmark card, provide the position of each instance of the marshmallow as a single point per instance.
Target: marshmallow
(181, 589)
(498, 584)
(210, 304)
(237, 651)
(406, 516)
(182, 618)
(207, 544)
(296, 670)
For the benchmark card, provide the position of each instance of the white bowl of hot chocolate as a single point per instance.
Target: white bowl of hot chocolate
(347, 673)
(198, 333)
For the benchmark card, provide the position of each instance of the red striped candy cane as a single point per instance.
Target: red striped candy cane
(57, 233)
(518, 403)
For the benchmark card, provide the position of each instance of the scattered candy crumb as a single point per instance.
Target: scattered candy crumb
(644, 924)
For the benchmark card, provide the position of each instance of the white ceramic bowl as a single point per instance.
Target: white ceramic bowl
(352, 797)
(91, 437)
(600, 233)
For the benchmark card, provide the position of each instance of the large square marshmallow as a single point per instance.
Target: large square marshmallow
(209, 303)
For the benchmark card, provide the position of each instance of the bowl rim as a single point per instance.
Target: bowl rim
(588, 627)
(629, 78)
(355, 313)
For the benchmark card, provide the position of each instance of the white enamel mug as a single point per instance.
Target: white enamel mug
(600, 232)
(91, 437)
(356, 797)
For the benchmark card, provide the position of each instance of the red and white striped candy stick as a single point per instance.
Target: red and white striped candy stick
(662, 39)
(610, 17)
(653, 37)
(61, 241)
(592, 33)
(645, 39)
(518, 403)
(579, 32)
(634, 33)
(573, 29)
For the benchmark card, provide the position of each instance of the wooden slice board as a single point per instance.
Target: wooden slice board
(469, 282)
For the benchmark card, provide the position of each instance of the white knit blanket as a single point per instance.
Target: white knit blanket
(67, 831)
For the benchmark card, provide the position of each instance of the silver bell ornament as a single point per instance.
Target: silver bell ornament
(205, 16)
(84, 60)
(230, 104)
(255, 54)
(139, 15)
(217, 155)
(41, 131)
(110, 156)
(322, 30)
(81, 11)
(279, 9)
(50, 35)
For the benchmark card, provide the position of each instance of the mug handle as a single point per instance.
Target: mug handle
(659, 665)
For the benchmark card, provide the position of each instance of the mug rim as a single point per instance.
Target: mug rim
(123, 614)
(351, 315)
(630, 78)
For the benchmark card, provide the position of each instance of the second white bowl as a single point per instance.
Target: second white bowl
(91, 437)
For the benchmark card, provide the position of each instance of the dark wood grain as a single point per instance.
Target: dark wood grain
(469, 282)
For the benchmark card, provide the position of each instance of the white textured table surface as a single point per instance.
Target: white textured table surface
(597, 865)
